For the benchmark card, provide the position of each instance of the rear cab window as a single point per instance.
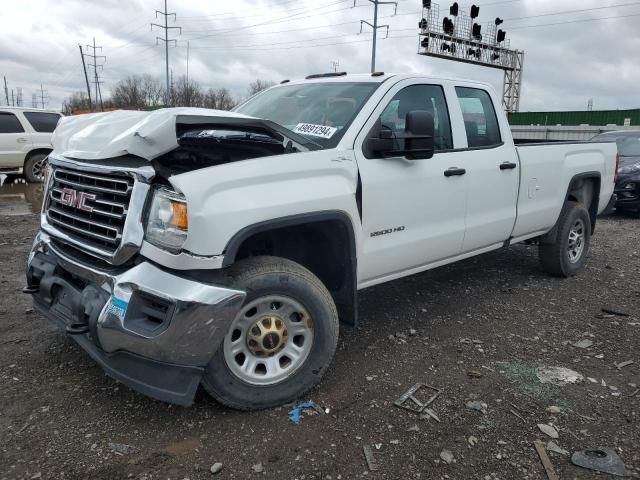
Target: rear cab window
(43, 122)
(9, 123)
(480, 119)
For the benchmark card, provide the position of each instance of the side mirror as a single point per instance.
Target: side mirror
(418, 140)
(416, 143)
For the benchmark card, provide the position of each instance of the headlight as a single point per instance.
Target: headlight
(629, 169)
(167, 224)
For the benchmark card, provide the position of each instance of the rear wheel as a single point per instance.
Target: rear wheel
(282, 340)
(567, 254)
(35, 168)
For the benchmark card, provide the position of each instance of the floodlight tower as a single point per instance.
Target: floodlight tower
(460, 38)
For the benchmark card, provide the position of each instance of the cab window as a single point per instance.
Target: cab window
(428, 98)
(480, 120)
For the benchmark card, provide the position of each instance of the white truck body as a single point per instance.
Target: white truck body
(402, 215)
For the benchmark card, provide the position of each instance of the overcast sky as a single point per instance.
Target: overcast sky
(234, 42)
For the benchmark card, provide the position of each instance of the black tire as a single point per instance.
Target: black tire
(264, 277)
(556, 258)
(34, 168)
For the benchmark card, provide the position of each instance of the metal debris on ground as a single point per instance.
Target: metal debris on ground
(548, 430)
(585, 343)
(477, 405)
(408, 399)
(447, 456)
(121, 448)
(554, 447)
(559, 376)
(615, 312)
(432, 414)
(295, 414)
(471, 341)
(371, 460)
(546, 461)
(475, 374)
(517, 415)
(621, 365)
(602, 460)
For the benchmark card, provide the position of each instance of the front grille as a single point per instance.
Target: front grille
(89, 207)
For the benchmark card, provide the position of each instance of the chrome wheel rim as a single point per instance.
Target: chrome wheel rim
(39, 168)
(575, 246)
(269, 340)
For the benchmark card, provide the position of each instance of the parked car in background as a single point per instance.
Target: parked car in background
(628, 179)
(25, 141)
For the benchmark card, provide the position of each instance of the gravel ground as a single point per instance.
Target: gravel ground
(478, 330)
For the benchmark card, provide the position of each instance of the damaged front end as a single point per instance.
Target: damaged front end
(211, 141)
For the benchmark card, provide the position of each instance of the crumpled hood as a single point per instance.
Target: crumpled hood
(112, 134)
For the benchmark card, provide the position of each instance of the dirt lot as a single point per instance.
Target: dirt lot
(60, 414)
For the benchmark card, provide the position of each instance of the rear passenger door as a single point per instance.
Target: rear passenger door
(14, 141)
(492, 171)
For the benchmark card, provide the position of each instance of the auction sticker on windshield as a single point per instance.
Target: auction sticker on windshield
(315, 130)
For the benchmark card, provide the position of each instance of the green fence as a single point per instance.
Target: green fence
(597, 117)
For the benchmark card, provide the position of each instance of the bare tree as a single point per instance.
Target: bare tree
(153, 90)
(128, 93)
(258, 85)
(76, 102)
(187, 94)
(219, 99)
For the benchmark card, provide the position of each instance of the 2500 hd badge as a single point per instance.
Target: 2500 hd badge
(387, 231)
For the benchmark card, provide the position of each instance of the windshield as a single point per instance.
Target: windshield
(321, 112)
(628, 143)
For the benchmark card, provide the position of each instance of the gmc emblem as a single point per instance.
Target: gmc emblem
(76, 199)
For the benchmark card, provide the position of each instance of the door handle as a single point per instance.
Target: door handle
(508, 165)
(454, 171)
(21, 140)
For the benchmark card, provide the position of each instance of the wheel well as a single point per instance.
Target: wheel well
(325, 246)
(586, 190)
(37, 151)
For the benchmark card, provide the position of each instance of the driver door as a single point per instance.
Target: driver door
(413, 214)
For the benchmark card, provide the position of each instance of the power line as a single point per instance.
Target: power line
(573, 11)
(575, 21)
(166, 41)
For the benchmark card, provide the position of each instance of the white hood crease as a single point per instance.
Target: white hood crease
(112, 134)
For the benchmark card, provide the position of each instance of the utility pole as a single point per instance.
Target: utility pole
(13, 103)
(19, 96)
(6, 91)
(95, 66)
(86, 77)
(334, 65)
(374, 26)
(166, 41)
(42, 95)
(187, 63)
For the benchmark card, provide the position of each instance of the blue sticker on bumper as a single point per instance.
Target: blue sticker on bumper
(118, 308)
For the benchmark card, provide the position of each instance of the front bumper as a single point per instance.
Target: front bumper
(148, 328)
(628, 191)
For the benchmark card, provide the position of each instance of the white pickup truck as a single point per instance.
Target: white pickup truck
(188, 247)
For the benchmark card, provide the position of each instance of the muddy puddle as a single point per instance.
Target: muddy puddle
(19, 198)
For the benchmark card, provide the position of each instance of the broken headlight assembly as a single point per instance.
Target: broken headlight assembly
(167, 222)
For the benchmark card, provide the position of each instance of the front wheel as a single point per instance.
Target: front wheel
(35, 168)
(282, 340)
(567, 254)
